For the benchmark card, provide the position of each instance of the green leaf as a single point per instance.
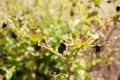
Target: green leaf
(97, 2)
(78, 43)
(95, 61)
(59, 77)
(92, 14)
(34, 36)
(13, 21)
(10, 72)
(87, 41)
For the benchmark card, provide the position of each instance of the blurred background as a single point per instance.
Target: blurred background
(31, 21)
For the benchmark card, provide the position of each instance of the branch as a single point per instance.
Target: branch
(54, 52)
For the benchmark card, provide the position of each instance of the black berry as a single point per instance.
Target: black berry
(72, 13)
(4, 78)
(53, 73)
(13, 35)
(4, 25)
(118, 8)
(14, 77)
(2, 54)
(97, 48)
(60, 50)
(109, 1)
(37, 47)
(62, 47)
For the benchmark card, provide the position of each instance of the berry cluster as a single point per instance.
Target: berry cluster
(62, 47)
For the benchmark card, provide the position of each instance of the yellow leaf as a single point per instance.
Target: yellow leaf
(34, 36)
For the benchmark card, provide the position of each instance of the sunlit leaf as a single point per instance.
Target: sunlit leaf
(99, 20)
(34, 36)
(13, 21)
(97, 2)
(92, 14)
(78, 43)
(10, 72)
(94, 36)
(95, 61)
(59, 77)
(87, 41)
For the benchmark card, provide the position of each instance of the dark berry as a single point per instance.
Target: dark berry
(60, 50)
(53, 73)
(2, 54)
(37, 47)
(4, 25)
(72, 13)
(118, 8)
(4, 78)
(14, 35)
(45, 40)
(109, 1)
(97, 48)
(62, 47)
(14, 77)
(73, 4)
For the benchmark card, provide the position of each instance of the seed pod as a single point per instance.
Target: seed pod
(118, 8)
(97, 48)
(4, 25)
(13, 35)
(37, 47)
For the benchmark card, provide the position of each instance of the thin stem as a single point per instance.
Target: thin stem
(68, 69)
(110, 33)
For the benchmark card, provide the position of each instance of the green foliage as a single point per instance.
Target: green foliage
(48, 23)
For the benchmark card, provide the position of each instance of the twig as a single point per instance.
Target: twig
(58, 54)
(110, 33)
